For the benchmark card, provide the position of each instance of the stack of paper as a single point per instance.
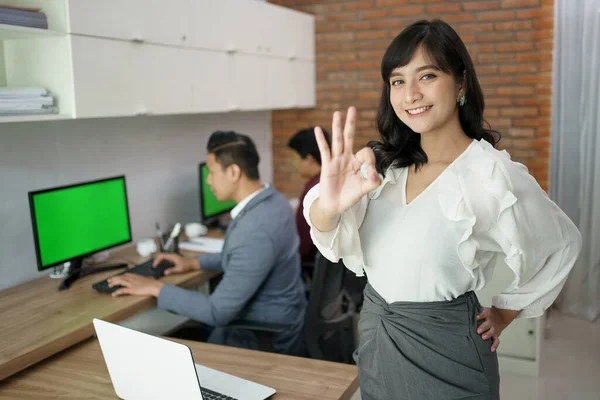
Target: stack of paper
(26, 101)
(204, 245)
(20, 16)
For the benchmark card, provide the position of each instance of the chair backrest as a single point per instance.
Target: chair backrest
(327, 287)
(355, 287)
(329, 313)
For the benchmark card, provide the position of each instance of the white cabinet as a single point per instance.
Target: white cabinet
(303, 36)
(287, 33)
(252, 27)
(151, 21)
(167, 80)
(107, 18)
(304, 78)
(228, 25)
(108, 77)
(114, 58)
(119, 78)
(280, 82)
(248, 83)
(210, 80)
(277, 32)
(164, 22)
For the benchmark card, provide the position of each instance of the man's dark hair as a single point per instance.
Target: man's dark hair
(234, 148)
(304, 143)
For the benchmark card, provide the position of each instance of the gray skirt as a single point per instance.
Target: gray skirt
(422, 351)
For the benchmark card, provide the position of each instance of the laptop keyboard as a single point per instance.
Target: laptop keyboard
(210, 395)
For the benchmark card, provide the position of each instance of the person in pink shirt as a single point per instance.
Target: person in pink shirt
(308, 162)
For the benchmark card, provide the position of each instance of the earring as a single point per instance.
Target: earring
(461, 99)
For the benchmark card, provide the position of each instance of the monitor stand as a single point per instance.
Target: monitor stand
(61, 271)
(74, 270)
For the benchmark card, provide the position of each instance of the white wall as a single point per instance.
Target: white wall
(158, 155)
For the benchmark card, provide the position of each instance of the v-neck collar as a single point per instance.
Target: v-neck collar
(404, 182)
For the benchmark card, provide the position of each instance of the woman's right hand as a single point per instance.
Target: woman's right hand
(181, 264)
(341, 183)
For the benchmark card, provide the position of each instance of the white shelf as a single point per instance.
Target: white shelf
(11, 32)
(163, 53)
(32, 118)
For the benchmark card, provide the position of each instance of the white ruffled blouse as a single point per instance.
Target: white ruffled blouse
(481, 211)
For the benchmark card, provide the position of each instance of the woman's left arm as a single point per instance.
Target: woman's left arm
(540, 245)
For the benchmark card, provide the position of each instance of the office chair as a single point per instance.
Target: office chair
(329, 315)
(355, 287)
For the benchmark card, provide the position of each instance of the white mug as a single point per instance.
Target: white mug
(195, 229)
(145, 247)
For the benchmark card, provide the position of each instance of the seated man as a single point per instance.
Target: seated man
(308, 163)
(260, 261)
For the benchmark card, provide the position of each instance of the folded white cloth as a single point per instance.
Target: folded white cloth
(21, 92)
(16, 102)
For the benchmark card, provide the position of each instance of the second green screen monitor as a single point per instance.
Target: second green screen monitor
(209, 205)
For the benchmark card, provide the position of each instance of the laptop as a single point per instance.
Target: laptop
(146, 367)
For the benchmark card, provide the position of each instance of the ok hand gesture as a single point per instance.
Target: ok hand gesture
(341, 183)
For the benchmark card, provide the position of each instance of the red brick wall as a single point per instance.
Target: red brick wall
(511, 42)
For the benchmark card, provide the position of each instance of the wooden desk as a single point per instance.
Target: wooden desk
(80, 373)
(37, 321)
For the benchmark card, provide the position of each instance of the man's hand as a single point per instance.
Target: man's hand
(136, 285)
(495, 320)
(181, 265)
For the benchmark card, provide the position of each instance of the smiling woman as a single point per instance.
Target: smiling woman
(427, 62)
(428, 213)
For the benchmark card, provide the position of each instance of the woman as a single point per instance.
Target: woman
(428, 213)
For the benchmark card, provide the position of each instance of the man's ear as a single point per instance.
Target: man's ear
(235, 172)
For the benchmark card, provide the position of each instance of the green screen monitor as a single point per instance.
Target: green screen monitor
(210, 207)
(72, 222)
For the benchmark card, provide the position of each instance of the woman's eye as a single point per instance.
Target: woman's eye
(428, 76)
(397, 82)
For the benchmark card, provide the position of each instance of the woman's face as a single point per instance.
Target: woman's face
(423, 96)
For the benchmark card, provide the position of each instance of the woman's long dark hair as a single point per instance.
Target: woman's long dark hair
(400, 146)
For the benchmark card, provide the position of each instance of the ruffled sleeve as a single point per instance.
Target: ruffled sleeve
(538, 242)
(344, 241)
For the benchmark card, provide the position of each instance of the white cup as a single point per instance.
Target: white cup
(195, 229)
(145, 247)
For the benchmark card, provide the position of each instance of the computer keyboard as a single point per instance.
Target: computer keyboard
(210, 395)
(144, 269)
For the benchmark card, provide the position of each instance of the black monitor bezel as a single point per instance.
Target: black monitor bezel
(203, 217)
(31, 194)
